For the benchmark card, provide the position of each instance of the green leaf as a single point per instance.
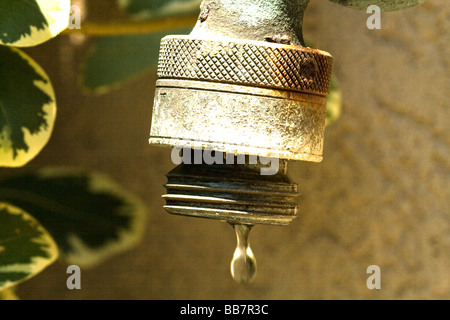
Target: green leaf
(384, 5)
(89, 216)
(25, 23)
(334, 102)
(26, 248)
(27, 108)
(115, 60)
(148, 9)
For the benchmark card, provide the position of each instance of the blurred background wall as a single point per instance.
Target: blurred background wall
(381, 196)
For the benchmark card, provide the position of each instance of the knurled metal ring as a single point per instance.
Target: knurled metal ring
(254, 63)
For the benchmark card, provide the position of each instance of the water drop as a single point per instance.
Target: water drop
(243, 265)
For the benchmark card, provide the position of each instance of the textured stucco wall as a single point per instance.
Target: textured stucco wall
(381, 196)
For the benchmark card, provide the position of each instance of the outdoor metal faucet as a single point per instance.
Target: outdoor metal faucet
(236, 99)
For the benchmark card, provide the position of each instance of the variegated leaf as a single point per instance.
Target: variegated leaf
(26, 248)
(25, 23)
(27, 108)
(90, 217)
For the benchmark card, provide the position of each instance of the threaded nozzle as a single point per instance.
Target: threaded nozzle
(236, 193)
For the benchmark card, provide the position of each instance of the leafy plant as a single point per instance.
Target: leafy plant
(76, 214)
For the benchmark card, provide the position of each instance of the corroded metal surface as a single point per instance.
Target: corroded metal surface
(230, 86)
(251, 19)
(242, 83)
(246, 62)
(231, 192)
(239, 119)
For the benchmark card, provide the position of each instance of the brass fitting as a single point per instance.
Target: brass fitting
(244, 85)
(229, 86)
